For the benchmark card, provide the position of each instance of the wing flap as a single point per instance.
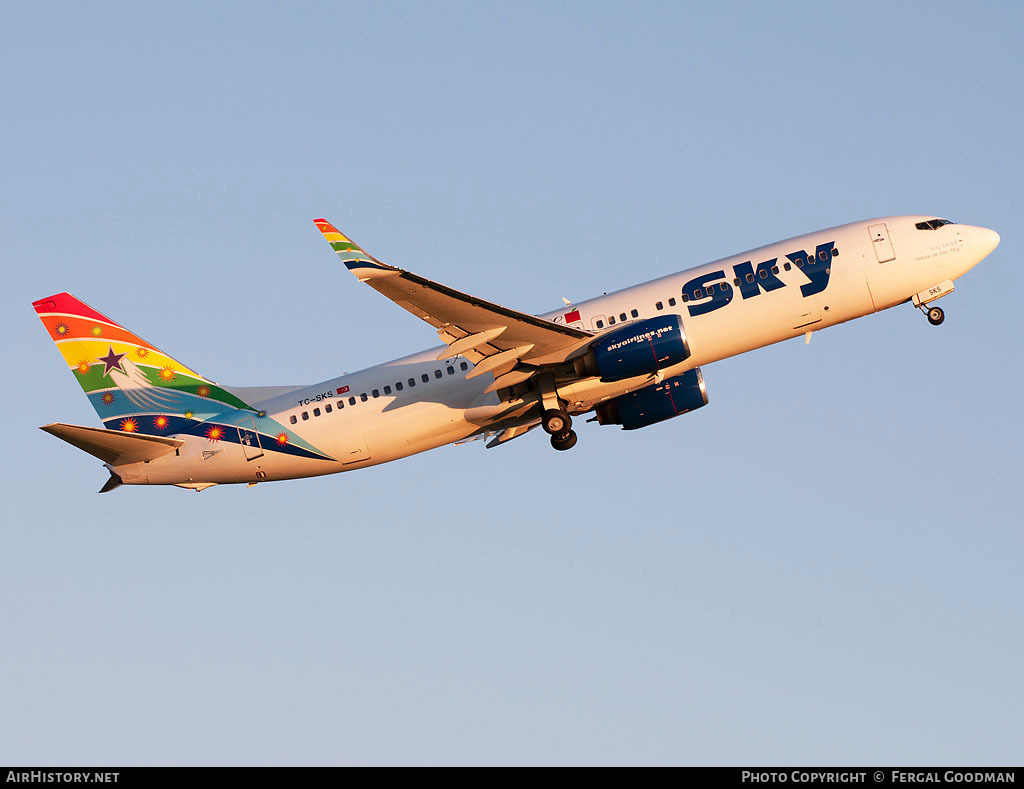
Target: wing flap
(111, 446)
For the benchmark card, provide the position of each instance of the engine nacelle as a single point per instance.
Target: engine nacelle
(656, 403)
(641, 348)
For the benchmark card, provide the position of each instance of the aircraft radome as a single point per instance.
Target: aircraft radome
(632, 358)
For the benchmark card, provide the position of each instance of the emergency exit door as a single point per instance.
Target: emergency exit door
(881, 242)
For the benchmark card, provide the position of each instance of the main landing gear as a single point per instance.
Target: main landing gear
(558, 424)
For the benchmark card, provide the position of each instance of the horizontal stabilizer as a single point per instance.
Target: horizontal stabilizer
(111, 446)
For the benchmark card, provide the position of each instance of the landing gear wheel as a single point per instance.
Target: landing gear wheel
(936, 316)
(564, 442)
(555, 423)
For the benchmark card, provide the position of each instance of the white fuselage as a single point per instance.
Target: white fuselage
(416, 403)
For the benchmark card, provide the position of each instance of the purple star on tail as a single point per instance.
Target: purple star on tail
(112, 361)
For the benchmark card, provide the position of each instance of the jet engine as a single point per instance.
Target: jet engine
(640, 348)
(656, 403)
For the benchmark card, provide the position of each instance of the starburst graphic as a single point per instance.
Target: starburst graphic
(82, 368)
(203, 391)
(215, 433)
(189, 414)
(61, 329)
(282, 439)
(167, 374)
(107, 398)
(129, 425)
(161, 422)
(141, 352)
(96, 331)
(261, 414)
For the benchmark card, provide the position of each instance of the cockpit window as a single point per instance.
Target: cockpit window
(933, 224)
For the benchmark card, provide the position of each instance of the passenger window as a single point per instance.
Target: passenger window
(698, 293)
(763, 273)
(611, 320)
(599, 324)
(736, 282)
(464, 366)
(398, 386)
(723, 286)
(412, 382)
(750, 276)
(328, 408)
(622, 316)
(341, 404)
(351, 401)
(787, 266)
(363, 397)
(672, 302)
(799, 263)
(305, 416)
(451, 370)
(316, 412)
(822, 256)
(709, 290)
(775, 269)
(659, 306)
(425, 378)
(387, 389)
(835, 252)
(293, 419)
(376, 392)
(686, 298)
(634, 313)
(437, 374)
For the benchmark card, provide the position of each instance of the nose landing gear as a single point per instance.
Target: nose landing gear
(935, 315)
(921, 300)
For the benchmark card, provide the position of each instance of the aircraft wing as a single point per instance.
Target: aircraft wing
(510, 344)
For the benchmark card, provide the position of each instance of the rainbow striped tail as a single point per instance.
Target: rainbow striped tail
(134, 386)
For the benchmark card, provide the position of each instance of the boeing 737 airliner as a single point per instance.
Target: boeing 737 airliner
(633, 358)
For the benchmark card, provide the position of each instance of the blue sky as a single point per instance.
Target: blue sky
(822, 566)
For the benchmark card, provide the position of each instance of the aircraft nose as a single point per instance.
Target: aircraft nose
(984, 241)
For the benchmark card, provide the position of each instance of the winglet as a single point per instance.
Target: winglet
(356, 259)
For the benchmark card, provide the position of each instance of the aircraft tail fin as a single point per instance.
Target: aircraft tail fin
(133, 386)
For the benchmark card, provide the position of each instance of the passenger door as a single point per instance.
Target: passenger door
(881, 242)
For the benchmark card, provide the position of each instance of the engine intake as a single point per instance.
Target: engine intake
(672, 397)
